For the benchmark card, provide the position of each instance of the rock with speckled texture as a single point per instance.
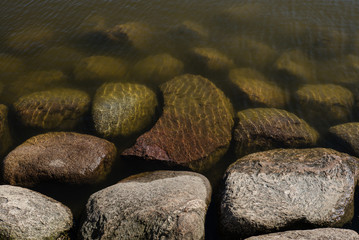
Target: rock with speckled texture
(152, 205)
(283, 188)
(61, 157)
(26, 214)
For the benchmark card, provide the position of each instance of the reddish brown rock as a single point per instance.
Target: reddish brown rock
(63, 157)
(5, 135)
(194, 129)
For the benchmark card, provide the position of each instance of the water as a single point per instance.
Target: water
(325, 31)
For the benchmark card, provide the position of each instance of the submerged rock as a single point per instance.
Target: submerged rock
(158, 68)
(122, 109)
(153, 205)
(283, 188)
(59, 108)
(211, 59)
(10, 65)
(261, 129)
(26, 214)
(256, 89)
(194, 129)
(100, 68)
(61, 157)
(190, 31)
(244, 13)
(5, 135)
(347, 136)
(314, 234)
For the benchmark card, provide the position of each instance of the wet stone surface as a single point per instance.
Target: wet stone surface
(5, 136)
(211, 59)
(347, 136)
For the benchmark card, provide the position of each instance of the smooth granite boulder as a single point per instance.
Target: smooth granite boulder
(284, 188)
(211, 59)
(255, 89)
(158, 68)
(26, 214)
(260, 129)
(152, 205)
(60, 108)
(100, 68)
(60, 157)
(122, 109)
(347, 136)
(194, 129)
(314, 234)
(5, 135)
(332, 101)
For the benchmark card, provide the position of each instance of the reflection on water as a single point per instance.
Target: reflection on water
(82, 44)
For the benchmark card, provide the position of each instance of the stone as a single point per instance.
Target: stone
(195, 127)
(5, 136)
(211, 59)
(332, 101)
(260, 129)
(282, 189)
(59, 157)
(294, 64)
(244, 13)
(123, 109)
(346, 135)
(100, 68)
(10, 65)
(152, 205)
(190, 31)
(60, 108)
(158, 68)
(314, 234)
(255, 89)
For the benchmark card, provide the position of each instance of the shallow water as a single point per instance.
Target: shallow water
(325, 31)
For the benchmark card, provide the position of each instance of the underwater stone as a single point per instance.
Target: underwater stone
(26, 214)
(244, 13)
(347, 135)
(122, 109)
(260, 129)
(212, 59)
(283, 188)
(158, 68)
(332, 101)
(5, 135)
(59, 157)
(100, 68)
(10, 65)
(313, 234)
(59, 108)
(256, 89)
(152, 205)
(194, 129)
(189, 30)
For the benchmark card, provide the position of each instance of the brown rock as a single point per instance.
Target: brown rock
(5, 136)
(63, 157)
(212, 59)
(347, 135)
(194, 129)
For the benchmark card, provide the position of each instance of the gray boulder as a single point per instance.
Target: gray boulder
(153, 205)
(279, 189)
(25, 214)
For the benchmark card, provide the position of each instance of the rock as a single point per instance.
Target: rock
(194, 129)
(295, 65)
(346, 135)
(158, 68)
(10, 65)
(332, 101)
(122, 109)
(5, 136)
(255, 89)
(285, 188)
(319, 233)
(100, 68)
(62, 157)
(190, 31)
(26, 214)
(153, 205)
(60, 108)
(245, 13)
(260, 129)
(211, 59)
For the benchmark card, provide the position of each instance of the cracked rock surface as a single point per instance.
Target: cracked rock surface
(152, 205)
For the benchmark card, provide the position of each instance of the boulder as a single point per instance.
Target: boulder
(286, 188)
(60, 157)
(26, 214)
(260, 129)
(194, 129)
(244, 13)
(255, 89)
(152, 205)
(211, 59)
(346, 135)
(190, 31)
(314, 234)
(60, 108)
(122, 109)
(5, 135)
(10, 65)
(100, 68)
(158, 68)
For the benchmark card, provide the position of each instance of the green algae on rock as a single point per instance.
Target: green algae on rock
(261, 129)
(194, 129)
(5, 135)
(347, 136)
(122, 109)
(59, 157)
(256, 89)
(211, 59)
(60, 108)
